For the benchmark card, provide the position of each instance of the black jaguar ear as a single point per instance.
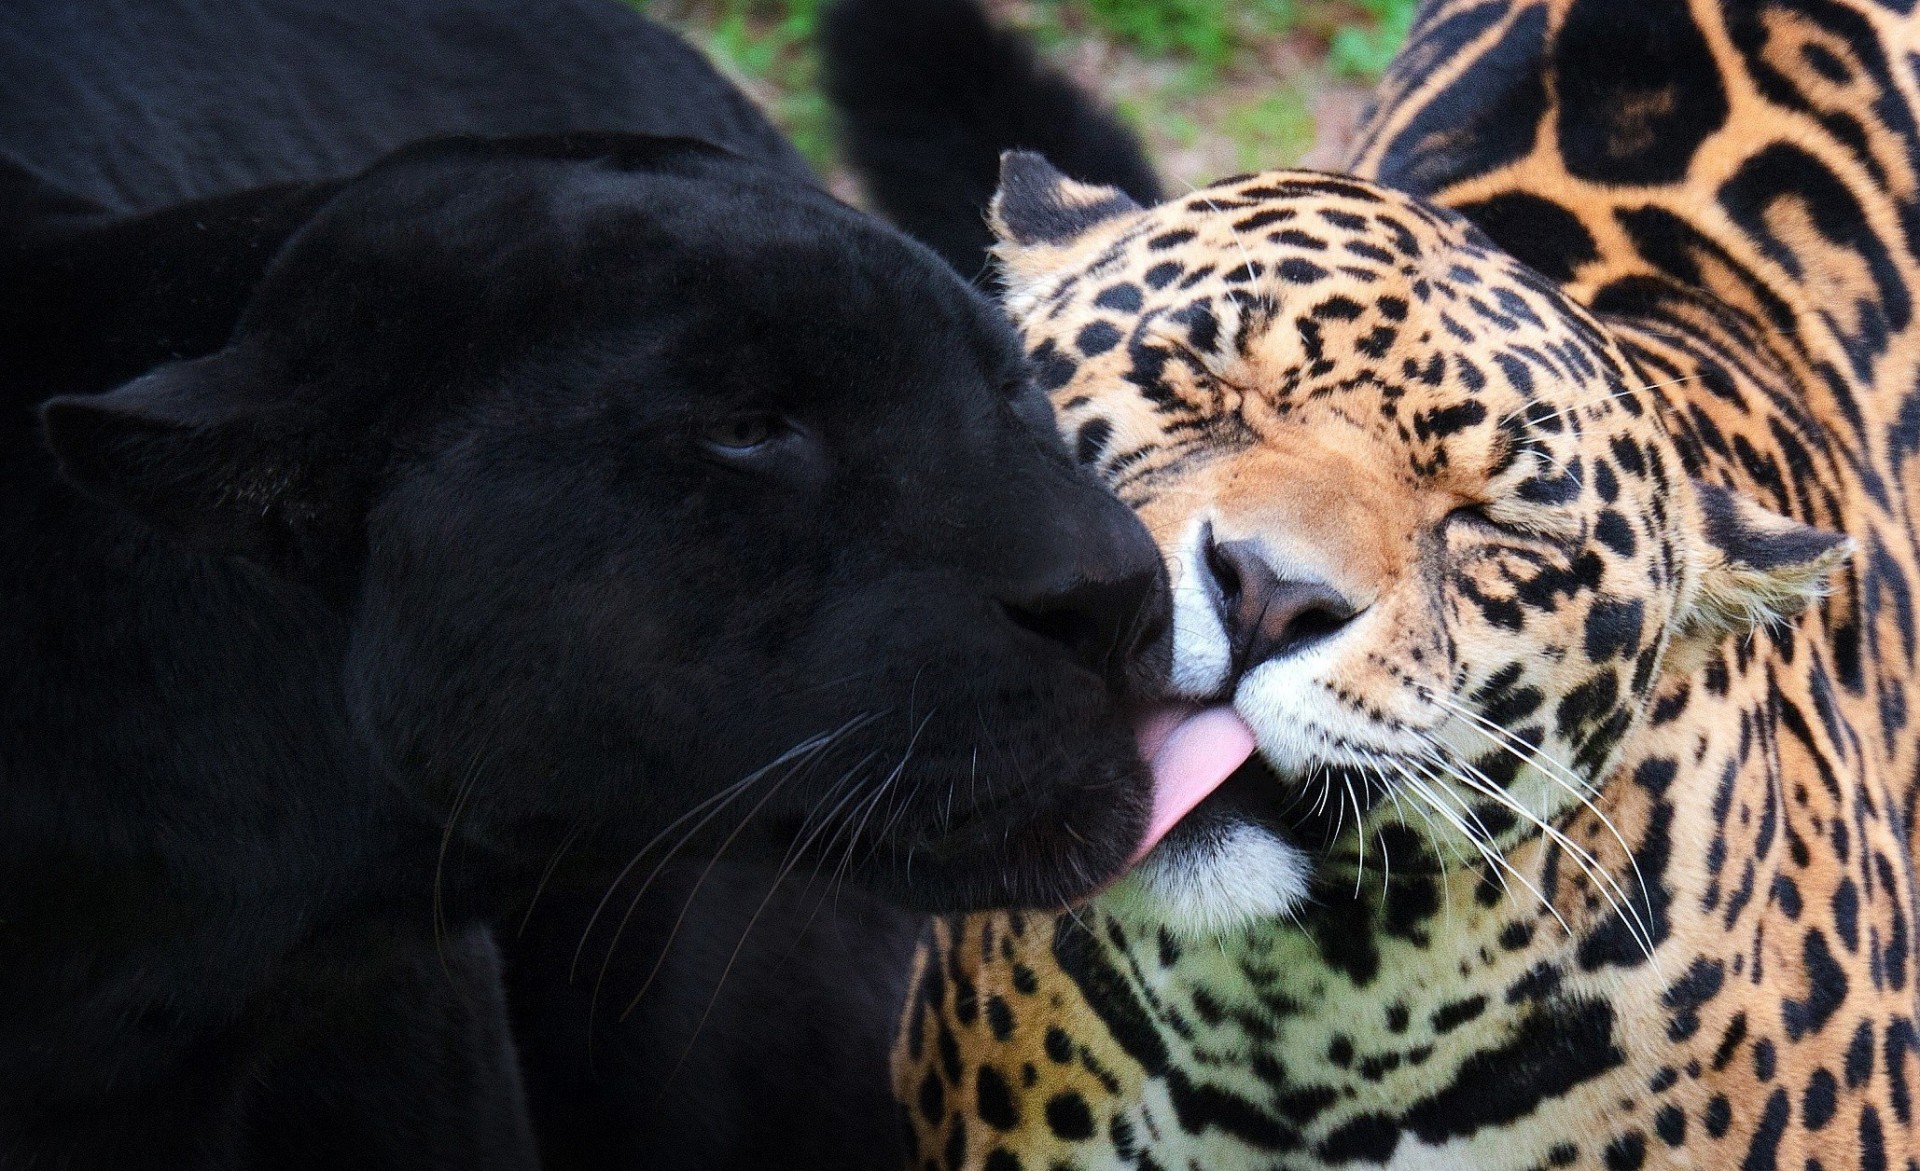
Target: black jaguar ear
(1036, 204)
(207, 452)
(1757, 567)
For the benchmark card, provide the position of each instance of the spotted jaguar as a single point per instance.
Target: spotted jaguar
(1538, 495)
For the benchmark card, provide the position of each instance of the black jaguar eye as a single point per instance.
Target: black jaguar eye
(741, 433)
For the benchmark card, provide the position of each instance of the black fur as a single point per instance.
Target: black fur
(929, 96)
(755, 1035)
(545, 488)
(137, 106)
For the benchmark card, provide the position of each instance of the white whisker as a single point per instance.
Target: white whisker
(1554, 770)
(1491, 852)
(1615, 895)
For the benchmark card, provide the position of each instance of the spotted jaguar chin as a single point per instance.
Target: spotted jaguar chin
(1237, 860)
(1242, 838)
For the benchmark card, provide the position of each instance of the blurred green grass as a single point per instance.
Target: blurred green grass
(1212, 84)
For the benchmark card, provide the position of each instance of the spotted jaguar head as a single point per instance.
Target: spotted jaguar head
(1428, 532)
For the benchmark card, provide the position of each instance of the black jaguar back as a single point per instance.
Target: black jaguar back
(206, 97)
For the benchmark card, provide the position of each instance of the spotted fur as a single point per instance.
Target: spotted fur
(1600, 796)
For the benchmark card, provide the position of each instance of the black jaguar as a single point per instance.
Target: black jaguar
(393, 530)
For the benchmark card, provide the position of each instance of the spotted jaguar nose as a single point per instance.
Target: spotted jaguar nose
(1267, 616)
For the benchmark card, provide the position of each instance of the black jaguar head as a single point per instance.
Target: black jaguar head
(666, 498)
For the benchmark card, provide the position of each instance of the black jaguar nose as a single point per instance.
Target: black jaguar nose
(1268, 616)
(1108, 605)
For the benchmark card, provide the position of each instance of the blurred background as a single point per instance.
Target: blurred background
(1215, 86)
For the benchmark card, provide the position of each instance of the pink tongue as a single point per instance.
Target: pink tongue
(1192, 751)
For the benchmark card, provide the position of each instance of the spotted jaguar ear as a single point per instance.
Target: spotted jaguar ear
(1036, 204)
(1757, 567)
(1040, 216)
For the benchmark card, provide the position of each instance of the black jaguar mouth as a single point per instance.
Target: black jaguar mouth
(1024, 846)
(973, 827)
(1308, 811)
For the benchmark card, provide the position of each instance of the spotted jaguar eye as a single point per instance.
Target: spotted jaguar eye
(1505, 520)
(1475, 513)
(740, 434)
